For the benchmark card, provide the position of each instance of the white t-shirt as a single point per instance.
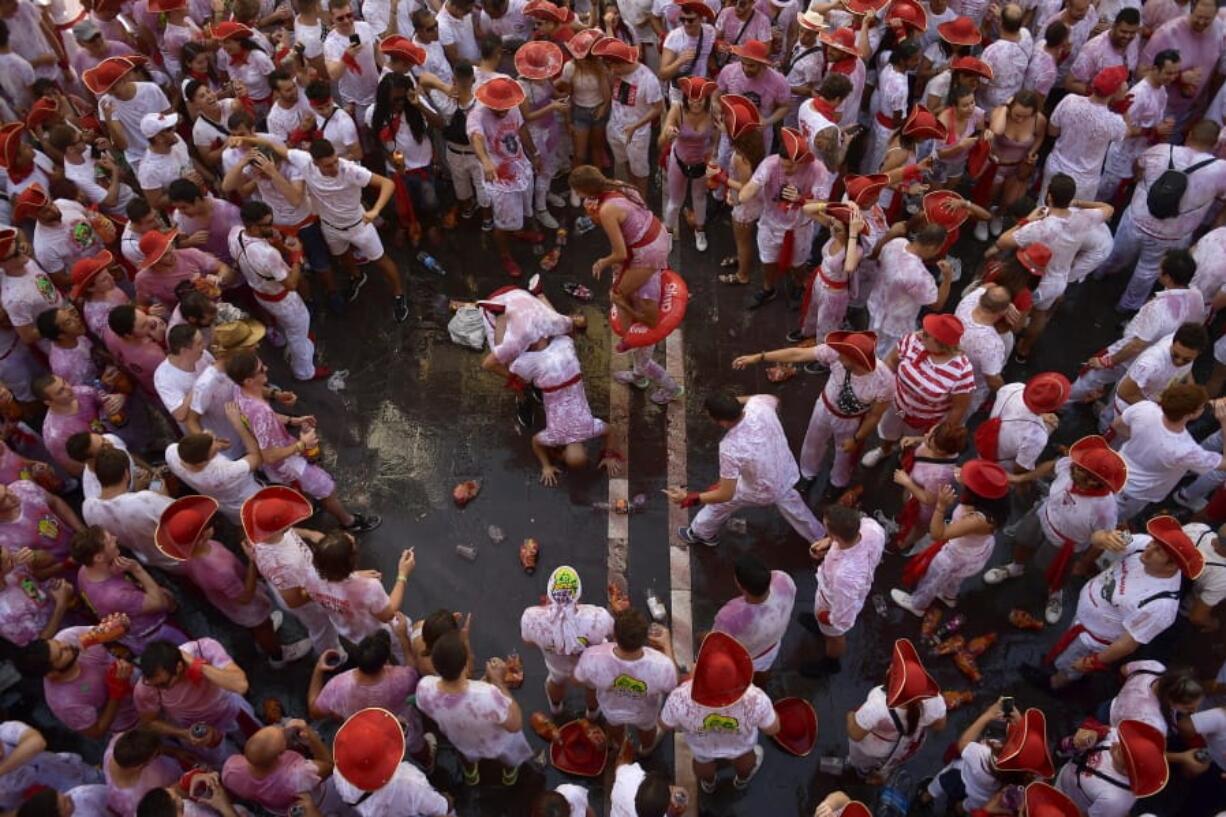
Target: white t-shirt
(158, 170)
(1153, 370)
(338, 198)
(87, 181)
(58, 246)
(1136, 700)
(725, 733)
(148, 99)
(25, 296)
(977, 775)
(1211, 725)
(755, 453)
(209, 397)
(338, 128)
(1126, 599)
(625, 788)
(1157, 458)
(352, 86)
(408, 792)
(262, 266)
(132, 518)
(633, 95)
(228, 481)
(283, 121)
(459, 32)
(629, 692)
(174, 385)
(310, 37)
(1023, 434)
(1210, 586)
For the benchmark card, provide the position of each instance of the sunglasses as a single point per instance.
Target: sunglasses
(689, 19)
(340, 18)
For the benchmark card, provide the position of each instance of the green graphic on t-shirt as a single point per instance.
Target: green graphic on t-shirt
(629, 685)
(720, 723)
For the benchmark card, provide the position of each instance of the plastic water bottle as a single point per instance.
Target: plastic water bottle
(430, 263)
(584, 224)
(495, 533)
(832, 765)
(895, 797)
(656, 607)
(466, 552)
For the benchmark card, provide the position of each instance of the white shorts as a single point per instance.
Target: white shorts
(561, 667)
(511, 208)
(633, 153)
(770, 241)
(362, 237)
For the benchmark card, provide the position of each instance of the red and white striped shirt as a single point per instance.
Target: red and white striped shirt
(925, 388)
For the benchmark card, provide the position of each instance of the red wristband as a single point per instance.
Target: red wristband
(1097, 664)
(824, 617)
(912, 173)
(691, 499)
(195, 671)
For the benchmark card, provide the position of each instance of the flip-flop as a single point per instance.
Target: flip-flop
(733, 280)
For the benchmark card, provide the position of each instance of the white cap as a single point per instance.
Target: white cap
(155, 123)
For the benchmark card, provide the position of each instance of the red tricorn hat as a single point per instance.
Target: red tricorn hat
(43, 109)
(539, 59)
(545, 10)
(795, 146)
(839, 212)
(740, 114)
(164, 6)
(1046, 392)
(722, 672)
(797, 726)
(272, 510)
(182, 523)
(581, 44)
(1025, 746)
(611, 48)
(939, 209)
(105, 74)
(500, 94)
(842, 39)
(855, 808)
(858, 346)
(907, 680)
(86, 269)
(909, 14)
(1042, 800)
(574, 751)
(922, 124)
(28, 202)
(8, 237)
(404, 48)
(368, 748)
(10, 142)
(227, 29)
(698, 7)
(1035, 257)
(755, 50)
(985, 478)
(944, 328)
(864, 6)
(863, 190)
(960, 31)
(1167, 531)
(1094, 454)
(155, 244)
(696, 88)
(1145, 755)
(973, 65)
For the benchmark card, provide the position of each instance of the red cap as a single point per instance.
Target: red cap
(795, 146)
(1025, 746)
(858, 346)
(960, 31)
(154, 244)
(696, 88)
(105, 74)
(985, 478)
(863, 190)
(1095, 454)
(1046, 392)
(740, 114)
(368, 748)
(1144, 750)
(10, 142)
(500, 94)
(538, 59)
(755, 50)
(973, 65)
(723, 671)
(1167, 532)
(611, 48)
(272, 510)
(227, 29)
(8, 237)
(944, 328)
(1109, 80)
(922, 124)
(182, 523)
(698, 7)
(404, 48)
(842, 39)
(574, 751)
(545, 10)
(86, 269)
(42, 110)
(1042, 800)
(28, 202)
(797, 726)
(907, 680)
(581, 44)
(938, 209)
(1034, 257)
(909, 14)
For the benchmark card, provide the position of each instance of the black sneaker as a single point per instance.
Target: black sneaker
(525, 413)
(822, 668)
(363, 523)
(795, 336)
(400, 309)
(355, 285)
(809, 622)
(761, 298)
(688, 536)
(805, 484)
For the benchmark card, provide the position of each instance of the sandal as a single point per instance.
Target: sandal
(510, 776)
(472, 776)
(733, 278)
(529, 552)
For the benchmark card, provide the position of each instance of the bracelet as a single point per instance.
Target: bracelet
(402, 578)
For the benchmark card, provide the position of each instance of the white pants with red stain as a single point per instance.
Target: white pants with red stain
(824, 428)
(675, 198)
(294, 321)
(316, 621)
(711, 518)
(946, 572)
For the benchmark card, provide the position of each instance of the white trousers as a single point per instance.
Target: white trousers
(711, 518)
(294, 321)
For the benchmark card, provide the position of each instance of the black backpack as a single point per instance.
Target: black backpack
(1168, 189)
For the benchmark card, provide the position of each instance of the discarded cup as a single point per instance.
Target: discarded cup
(495, 533)
(466, 552)
(656, 607)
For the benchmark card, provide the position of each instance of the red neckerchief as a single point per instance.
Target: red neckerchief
(1103, 491)
(203, 76)
(845, 66)
(351, 63)
(388, 132)
(826, 108)
(239, 59)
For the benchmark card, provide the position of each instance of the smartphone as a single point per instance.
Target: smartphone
(354, 39)
(1006, 705)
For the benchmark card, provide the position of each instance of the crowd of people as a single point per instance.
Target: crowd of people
(927, 184)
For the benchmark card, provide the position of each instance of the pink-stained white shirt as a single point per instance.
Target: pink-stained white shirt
(285, 563)
(1205, 186)
(57, 428)
(74, 363)
(679, 41)
(1008, 60)
(1086, 131)
(1136, 700)
(811, 179)
(78, 703)
(1162, 314)
(221, 578)
(352, 604)
(874, 387)
(1041, 71)
(1210, 256)
(472, 720)
(118, 593)
(158, 286)
(291, 775)
(760, 627)
(37, 526)
(986, 349)
(538, 625)
(755, 453)
(628, 691)
(269, 432)
(25, 296)
(348, 692)
(1153, 370)
(132, 517)
(1079, 33)
(1062, 234)
(527, 321)
(1023, 434)
(58, 246)
(1098, 53)
(1201, 50)
(725, 733)
(501, 135)
(1076, 516)
(25, 607)
(212, 391)
(139, 357)
(845, 576)
(186, 703)
(735, 31)
(904, 286)
(159, 773)
(769, 89)
(1157, 459)
(408, 792)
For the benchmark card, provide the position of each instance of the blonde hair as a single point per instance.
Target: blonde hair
(589, 181)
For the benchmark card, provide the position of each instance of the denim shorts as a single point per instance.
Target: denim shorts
(584, 118)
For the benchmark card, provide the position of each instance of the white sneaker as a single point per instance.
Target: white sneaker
(903, 599)
(1055, 607)
(1188, 502)
(1000, 574)
(948, 602)
(873, 457)
(700, 241)
(996, 226)
(277, 618)
(627, 377)
(291, 653)
(981, 231)
(546, 219)
(555, 200)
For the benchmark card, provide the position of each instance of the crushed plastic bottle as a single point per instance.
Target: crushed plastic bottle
(430, 263)
(887, 523)
(584, 224)
(495, 533)
(336, 381)
(736, 525)
(466, 552)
